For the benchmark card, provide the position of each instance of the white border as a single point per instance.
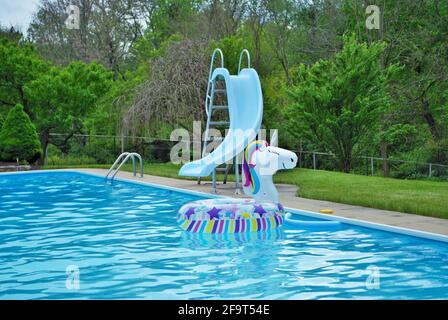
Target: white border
(356, 222)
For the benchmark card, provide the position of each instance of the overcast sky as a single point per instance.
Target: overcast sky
(17, 12)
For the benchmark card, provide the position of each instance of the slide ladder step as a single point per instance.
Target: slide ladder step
(220, 107)
(219, 123)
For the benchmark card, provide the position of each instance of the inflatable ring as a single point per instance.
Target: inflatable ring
(224, 215)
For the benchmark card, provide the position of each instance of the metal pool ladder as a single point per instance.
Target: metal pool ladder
(209, 109)
(122, 159)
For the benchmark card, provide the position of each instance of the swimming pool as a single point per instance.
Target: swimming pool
(123, 242)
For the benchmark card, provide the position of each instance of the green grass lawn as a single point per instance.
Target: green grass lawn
(429, 198)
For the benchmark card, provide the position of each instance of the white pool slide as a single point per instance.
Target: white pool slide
(245, 104)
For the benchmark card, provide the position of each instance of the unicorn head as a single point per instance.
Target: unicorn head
(260, 163)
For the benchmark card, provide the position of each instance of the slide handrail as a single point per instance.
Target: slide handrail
(212, 62)
(244, 51)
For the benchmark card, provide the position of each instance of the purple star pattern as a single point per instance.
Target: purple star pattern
(259, 209)
(214, 213)
(189, 212)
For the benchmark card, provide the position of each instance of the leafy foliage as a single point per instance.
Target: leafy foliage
(231, 48)
(339, 101)
(323, 91)
(63, 99)
(18, 137)
(20, 65)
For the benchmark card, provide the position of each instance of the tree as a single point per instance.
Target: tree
(338, 101)
(417, 36)
(10, 33)
(63, 99)
(1, 121)
(231, 48)
(107, 31)
(18, 137)
(174, 93)
(283, 14)
(425, 77)
(20, 64)
(257, 18)
(224, 17)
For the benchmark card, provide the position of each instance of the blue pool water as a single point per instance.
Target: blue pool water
(125, 242)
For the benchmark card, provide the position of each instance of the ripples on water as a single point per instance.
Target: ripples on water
(126, 243)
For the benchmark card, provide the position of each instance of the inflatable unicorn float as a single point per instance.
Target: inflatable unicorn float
(229, 215)
(263, 211)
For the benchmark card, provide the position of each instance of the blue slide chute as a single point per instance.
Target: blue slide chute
(245, 103)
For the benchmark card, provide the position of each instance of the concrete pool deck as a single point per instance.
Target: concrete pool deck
(289, 199)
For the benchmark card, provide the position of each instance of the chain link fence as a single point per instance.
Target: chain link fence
(104, 149)
(374, 166)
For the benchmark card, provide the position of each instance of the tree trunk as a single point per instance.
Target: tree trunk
(257, 41)
(434, 129)
(345, 163)
(384, 155)
(44, 138)
(284, 64)
(429, 118)
(113, 62)
(24, 102)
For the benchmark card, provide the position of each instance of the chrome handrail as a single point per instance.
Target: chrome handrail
(141, 164)
(115, 163)
(126, 156)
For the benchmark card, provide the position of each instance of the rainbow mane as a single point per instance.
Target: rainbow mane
(249, 167)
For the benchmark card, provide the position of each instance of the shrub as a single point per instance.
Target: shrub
(53, 150)
(18, 137)
(99, 149)
(69, 160)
